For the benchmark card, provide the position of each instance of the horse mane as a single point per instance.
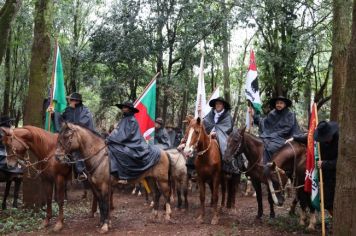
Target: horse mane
(91, 131)
(42, 138)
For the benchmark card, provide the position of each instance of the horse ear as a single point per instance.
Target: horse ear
(6, 131)
(273, 165)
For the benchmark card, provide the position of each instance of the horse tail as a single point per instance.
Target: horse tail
(170, 166)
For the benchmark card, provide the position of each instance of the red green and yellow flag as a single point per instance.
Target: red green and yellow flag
(146, 104)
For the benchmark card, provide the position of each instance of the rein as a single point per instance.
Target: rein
(196, 145)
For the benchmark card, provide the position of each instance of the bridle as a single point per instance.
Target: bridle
(195, 145)
(24, 160)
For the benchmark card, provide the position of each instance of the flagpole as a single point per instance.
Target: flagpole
(52, 83)
(321, 185)
(143, 93)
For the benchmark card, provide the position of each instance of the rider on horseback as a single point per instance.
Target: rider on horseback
(279, 125)
(161, 139)
(75, 113)
(129, 153)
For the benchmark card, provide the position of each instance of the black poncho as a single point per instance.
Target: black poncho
(130, 155)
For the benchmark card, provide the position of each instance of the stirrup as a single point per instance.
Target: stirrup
(82, 177)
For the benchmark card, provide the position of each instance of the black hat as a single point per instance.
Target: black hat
(325, 131)
(273, 101)
(159, 120)
(75, 96)
(5, 121)
(129, 105)
(220, 99)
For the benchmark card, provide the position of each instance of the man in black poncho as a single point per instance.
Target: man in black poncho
(75, 113)
(130, 155)
(279, 125)
(161, 139)
(218, 122)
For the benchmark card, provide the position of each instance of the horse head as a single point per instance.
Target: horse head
(194, 135)
(67, 142)
(16, 147)
(235, 144)
(277, 180)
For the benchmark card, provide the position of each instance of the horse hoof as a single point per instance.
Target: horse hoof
(215, 220)
(104, 229)
(45, 223)
(272, 216)
(58, 227)
(200, 220)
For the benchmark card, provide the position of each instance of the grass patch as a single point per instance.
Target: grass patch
(287, 224)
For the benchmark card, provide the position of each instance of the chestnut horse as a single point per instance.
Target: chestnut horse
(240, 142)
(207, 164)
(42, 144)
(291, 158)
(95, 155)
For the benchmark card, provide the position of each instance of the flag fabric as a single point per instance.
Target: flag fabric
(311, 184)
(214, 95)
(201, 97)
(146, 103)
(57, 94)
(252, 91)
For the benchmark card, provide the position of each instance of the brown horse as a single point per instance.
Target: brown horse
(93, 149)
(19, 142)
(207, 164)
(9, 177)
(240, 142)
(291, 158)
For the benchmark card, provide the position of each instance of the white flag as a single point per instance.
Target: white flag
(201, 97)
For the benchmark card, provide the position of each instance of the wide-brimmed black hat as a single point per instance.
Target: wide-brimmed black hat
(5, 121)
(220, 99)
(75, 96)
(129, 105)
(273, 101)
(159, 120)
(325, 131)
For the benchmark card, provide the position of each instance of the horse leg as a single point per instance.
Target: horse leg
(293, 206)
(16, 191)
(166, 190)
(223, 190)
(112, 200)
(216, 182)
(49, 193)
(104, 206)
(211, 187)
(201, 185)
(257, 186)
(6, 194)
(271, 205)
(179, 194)
(94, 206)
(60, 188)
(185, 192)
(173, 188)
(232, 185)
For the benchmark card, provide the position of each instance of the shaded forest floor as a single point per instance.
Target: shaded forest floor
(132, 216)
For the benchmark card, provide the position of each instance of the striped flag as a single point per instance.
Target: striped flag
(252, 91)
(146, 103)
(311, 184)
(57, 95)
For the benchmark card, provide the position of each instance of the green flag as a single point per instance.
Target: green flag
(315, 197)
(58, 91)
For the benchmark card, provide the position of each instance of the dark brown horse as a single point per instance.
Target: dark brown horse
(291, 158)
(9, 177)
(207, 164)
(93, 149)
(19, 142)
(242, 143)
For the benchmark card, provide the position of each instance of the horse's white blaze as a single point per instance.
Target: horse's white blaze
(188, 144)
(274, 197)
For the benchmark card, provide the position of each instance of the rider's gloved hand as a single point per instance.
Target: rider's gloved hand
(181, 147)
(289, 140)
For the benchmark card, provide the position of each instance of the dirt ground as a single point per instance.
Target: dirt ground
(132, 216)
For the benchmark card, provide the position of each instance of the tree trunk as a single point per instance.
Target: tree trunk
(341, 38)
(74, 62)
(7, 15)
(32, 188)
(345, 190)
(225, 43)
(6, 107)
